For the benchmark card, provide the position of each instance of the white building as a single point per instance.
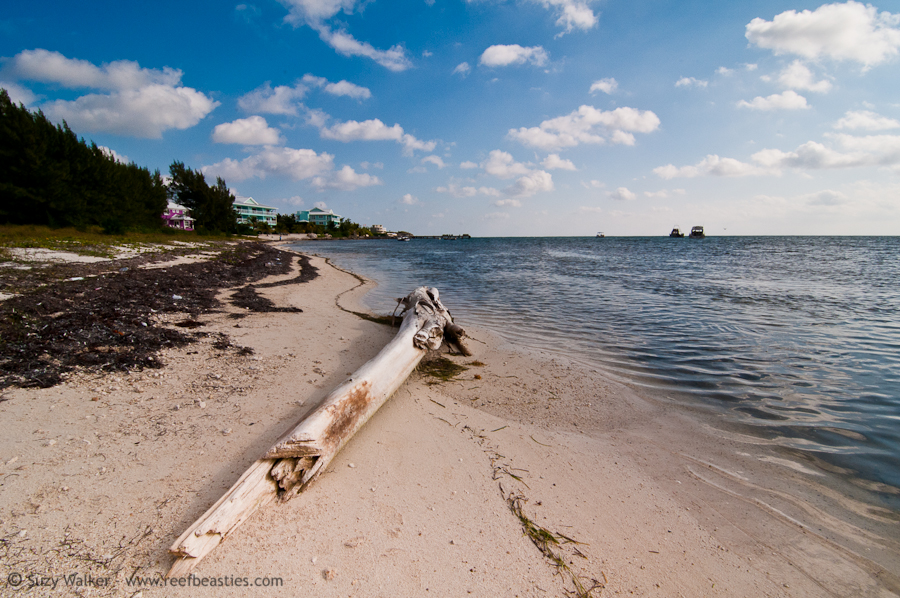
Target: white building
(249, 210)
(378, 229)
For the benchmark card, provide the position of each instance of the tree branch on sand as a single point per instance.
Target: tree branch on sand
(305, 451)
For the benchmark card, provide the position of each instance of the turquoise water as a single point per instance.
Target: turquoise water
(795, 339)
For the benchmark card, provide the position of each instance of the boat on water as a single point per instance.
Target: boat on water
(697, 232)
(403, 238)
(600, 235)
(676, 233)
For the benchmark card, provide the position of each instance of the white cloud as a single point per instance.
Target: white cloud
(798, 76)
(691, 82)
(553, 161)
(507, 203)
(607, 86)
(871, 150)
(341, 88)
(496, 216)
(297, 164)
(247, 131)
(622, 194)
(662, 194)
(321, 205)
(468, 164)
(145, 112)
(393, 59)
(533, 182)
(280, 100)
(295, 201)
(436, 160)
(588, 125)
(409, 200)
(314, 13)
(711, 165)
(140, 103)
(724, 71)
(457, 191)
(114, 155)
(462, 68)
(375, 130)
(502, 165)
(345, 179)
(848, 31)
(572, 14)
(789, 100)
(505, 55)
(864, 119)
(18, 94)
(72, 73)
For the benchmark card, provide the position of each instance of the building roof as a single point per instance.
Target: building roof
(249, 201)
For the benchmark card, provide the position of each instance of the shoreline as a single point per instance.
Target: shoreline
(418, 500)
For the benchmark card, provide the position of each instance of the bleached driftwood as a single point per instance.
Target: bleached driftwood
(304, 452)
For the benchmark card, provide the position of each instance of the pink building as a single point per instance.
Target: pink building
(177, 216)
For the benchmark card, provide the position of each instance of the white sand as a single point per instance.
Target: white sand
(413, 505)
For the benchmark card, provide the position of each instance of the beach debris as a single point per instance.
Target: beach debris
(302, 454)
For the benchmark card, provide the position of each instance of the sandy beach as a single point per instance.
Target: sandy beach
(100, 474)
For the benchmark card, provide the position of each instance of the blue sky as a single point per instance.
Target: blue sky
(495, 118)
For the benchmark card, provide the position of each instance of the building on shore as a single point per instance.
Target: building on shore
(319, 216)
(249, 210)
(378, 229)
(177, 216)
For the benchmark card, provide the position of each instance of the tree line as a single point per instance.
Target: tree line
(48, 176)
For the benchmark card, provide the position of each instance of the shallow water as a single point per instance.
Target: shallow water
(796, 339)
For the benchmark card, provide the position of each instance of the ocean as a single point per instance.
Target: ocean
(793, 339)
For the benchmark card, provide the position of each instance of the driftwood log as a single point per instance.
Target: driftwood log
(304, 452)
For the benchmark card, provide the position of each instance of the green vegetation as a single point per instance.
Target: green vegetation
(287, 224)
(48, 176)
(211, 206)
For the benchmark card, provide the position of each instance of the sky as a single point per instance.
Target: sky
(492, 117)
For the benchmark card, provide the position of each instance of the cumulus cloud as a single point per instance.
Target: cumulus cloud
(848, 31)
(409, 200)
(553, 161)
(856, 151)
(315, 13)
(533, 182)
(247, 131)
(798, 76)
(711, 165)
(507, 203)
(789, 100)
(607, 86)
(296, 164)
(724, 71)
(691, 82)
(622, 194)
(375, 130)
(436, 160)
(345, 179)
(503, 166)
(18, 94)
(468, 164)
(341, 88)
(280, 100)
(864, 119)
(572, 14)
(122, 159)
(506, 55)
(462, 68)
(467, 191)
(588, 125)
(139, 103)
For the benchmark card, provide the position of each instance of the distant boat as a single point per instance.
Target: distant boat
(403, 238)
(600, 235)
(676, 233)
(697, 232)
